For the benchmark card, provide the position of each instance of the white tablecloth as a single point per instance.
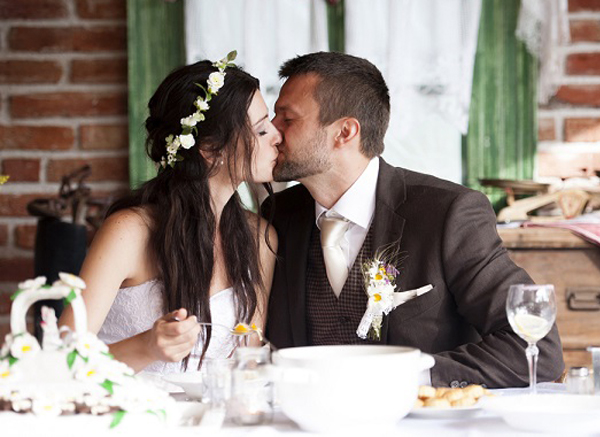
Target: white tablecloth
(481, 424)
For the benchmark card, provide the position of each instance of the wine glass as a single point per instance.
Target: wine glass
(531, 311)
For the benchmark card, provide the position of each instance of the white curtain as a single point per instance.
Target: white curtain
(426, 51)
(544, 27)
(265, 33)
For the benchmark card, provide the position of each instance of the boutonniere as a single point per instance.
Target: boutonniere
(380, 285)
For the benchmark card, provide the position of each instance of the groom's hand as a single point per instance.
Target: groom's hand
(173, 336)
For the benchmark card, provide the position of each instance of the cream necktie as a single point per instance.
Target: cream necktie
(336, 265)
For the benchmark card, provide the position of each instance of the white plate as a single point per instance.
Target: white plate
(556, 413)
(445, 413)
(190, 382)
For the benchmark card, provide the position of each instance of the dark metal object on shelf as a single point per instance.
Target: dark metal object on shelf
(61, 235)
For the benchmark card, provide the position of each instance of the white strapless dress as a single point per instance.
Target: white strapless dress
(136, 308)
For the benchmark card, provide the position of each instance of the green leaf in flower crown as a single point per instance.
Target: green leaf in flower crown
(109, 355)
(117, 417)
(108, 386)
(231, 55)
(71, 297)
(71, 358)
(12, 360)
(206, 93)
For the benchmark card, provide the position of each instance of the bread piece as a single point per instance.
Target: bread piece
(437, 403)
(474, 390)
(426, 392)
(454, 394)
(419, 403)
(466, 401)
(439, 392)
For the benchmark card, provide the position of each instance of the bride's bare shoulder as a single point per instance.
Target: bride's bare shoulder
(131, 222)
(259, 222)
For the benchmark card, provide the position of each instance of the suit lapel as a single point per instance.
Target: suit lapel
(388, 225)
(299, 230)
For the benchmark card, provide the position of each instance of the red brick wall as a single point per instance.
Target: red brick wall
(569, 126)
(63, 103)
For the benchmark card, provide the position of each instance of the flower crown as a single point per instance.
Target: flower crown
(186, 140)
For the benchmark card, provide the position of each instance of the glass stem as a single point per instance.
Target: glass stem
(532, 353)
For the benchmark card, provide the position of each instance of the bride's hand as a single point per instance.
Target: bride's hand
(172, 340)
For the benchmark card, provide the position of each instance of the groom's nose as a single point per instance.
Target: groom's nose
(278, 137)
(277, 123)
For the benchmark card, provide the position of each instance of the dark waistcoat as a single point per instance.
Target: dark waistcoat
(333, 320)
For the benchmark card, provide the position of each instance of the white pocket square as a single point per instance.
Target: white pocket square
(401, 297)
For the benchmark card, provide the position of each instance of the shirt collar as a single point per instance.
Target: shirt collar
(357, 204)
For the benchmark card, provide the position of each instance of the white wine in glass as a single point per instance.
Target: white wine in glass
(531, 311)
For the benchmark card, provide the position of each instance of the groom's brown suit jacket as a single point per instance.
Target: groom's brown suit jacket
(447, 236)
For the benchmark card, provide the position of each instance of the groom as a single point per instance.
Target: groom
(333, 112)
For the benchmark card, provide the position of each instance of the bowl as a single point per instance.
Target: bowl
(359, 387)
(190, 382)
(552, 413)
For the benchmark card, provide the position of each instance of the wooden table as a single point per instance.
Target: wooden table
(557, 256)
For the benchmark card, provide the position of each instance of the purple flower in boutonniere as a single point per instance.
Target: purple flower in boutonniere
(380, 285)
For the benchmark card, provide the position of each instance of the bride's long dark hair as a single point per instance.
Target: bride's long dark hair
(182, 221)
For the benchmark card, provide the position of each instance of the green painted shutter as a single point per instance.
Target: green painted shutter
(335, 27)
(155, 46)
(502, 136)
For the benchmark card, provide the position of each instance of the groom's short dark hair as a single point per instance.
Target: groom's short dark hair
(349, 87)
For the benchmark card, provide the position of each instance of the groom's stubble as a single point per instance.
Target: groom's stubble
(308, 158)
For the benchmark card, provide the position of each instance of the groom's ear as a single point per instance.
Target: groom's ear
(349, 131)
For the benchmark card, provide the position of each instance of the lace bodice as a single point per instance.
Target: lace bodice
(136, 308)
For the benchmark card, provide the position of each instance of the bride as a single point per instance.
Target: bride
(182, 249)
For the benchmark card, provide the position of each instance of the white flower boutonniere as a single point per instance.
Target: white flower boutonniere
(380, 285)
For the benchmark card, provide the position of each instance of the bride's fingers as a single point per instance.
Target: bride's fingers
(164, 342)
(176, 352)
(175, 316)
(175, 329)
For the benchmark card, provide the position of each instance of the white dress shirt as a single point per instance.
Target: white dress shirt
(358, 206)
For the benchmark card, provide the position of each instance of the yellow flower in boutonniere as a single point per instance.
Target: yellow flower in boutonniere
(380, 284)
(3, 179)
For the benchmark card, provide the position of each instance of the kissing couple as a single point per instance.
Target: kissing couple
(180, 256)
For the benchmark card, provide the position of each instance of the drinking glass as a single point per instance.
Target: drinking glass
(531, 311)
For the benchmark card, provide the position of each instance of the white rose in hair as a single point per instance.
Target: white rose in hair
(201, 104)
(187, 141)
(188, 121)
(172, 148)
(215, 81)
